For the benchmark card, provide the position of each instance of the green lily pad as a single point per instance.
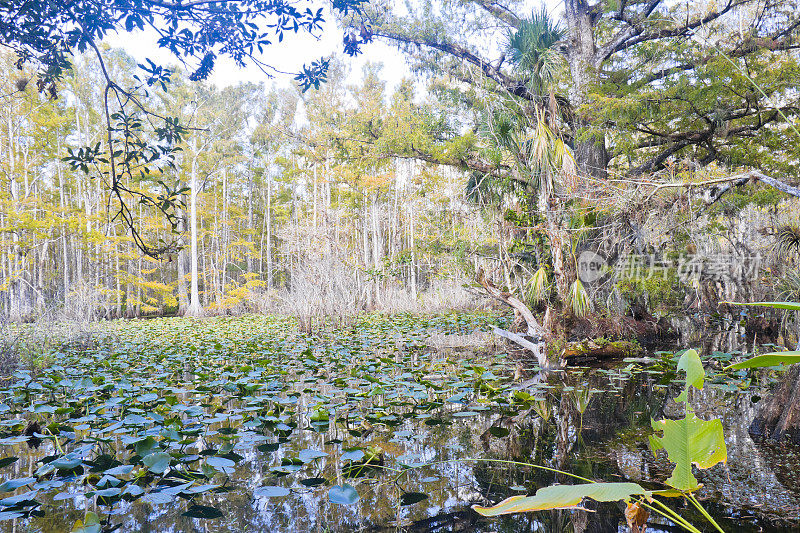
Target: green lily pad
(157, 462)
(343, 494)
(203, 511)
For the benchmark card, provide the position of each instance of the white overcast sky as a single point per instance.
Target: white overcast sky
(289, 56)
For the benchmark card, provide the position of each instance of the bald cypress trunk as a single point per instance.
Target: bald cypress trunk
(778, 416)
(590, 151)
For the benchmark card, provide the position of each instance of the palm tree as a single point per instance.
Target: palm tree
(528, 134)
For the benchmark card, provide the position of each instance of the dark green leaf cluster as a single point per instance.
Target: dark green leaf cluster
(45, 33)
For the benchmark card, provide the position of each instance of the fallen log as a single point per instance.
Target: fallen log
(597, 349)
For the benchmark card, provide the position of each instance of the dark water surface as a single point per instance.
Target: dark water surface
(261, 429)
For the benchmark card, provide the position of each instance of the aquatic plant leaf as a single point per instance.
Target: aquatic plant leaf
(89, 524)
(133, 490)
(157, 462)
(353, 455)
(690, 363)
(689, 441)
(66, 463)
(410, 498)
(120, 470)
(767, 359)
(221, 464)
(159, 498)
(309, 455)
(498, 431)
(636, 516)
(5, 461)
(789, 306)
(343, 494)
(203, 511)
(108, 493)
(313, 481)
(13, 484)
(563, 497)
(271, 492)
(146, 446)
(199, 489)
(11, 501)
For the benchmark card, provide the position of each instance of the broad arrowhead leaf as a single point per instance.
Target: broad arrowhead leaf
(689, 441)
(691, 364)
(563, 497)
(768, 359)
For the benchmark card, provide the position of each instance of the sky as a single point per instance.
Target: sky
(288, 56)
(292, 53)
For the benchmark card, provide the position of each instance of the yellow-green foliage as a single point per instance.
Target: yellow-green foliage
(662, 294)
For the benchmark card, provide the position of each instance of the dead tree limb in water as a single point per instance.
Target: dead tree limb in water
(534, 330)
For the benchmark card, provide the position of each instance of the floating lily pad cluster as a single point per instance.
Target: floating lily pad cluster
(163, 412)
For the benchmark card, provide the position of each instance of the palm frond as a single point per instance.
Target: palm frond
(538, 286)
(532, 48)
(579, 300)
(788, 240)
(788, 286)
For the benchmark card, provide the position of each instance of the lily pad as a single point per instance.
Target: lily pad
(157, 462)
(271, 492)
(343, 494)
(203, 511)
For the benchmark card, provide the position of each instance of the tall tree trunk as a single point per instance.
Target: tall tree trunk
(413, 246)
(194, 309)
(183, 293)
(250, 222)
(268, 217)
(591, 155)
(778, 415)
(64, 227)
(315, 197)
(15, 285)
(117, 275)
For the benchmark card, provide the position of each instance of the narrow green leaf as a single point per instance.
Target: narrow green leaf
(768, 359)
(789, 306)
(691, 364)
(564, 497)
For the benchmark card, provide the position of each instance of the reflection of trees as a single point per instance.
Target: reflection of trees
(611, 446)
(557, 443)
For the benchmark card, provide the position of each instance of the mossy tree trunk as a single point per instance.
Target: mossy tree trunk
(778, 416)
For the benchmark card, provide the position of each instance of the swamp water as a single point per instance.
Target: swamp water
(244, 425)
